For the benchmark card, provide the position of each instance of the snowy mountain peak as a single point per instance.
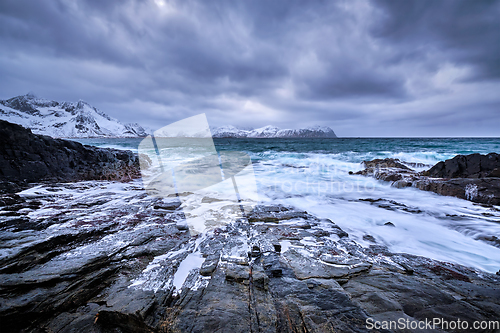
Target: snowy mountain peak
(64, 119)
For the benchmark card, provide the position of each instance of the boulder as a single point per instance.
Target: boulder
(467, 166)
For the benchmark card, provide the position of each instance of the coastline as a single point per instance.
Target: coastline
(103, 255)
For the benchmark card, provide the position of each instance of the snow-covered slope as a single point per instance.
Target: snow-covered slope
(63, 119)
(273, 132)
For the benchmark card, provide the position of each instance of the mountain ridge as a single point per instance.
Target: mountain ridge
(81, 120)
(65, 119)
(270, 131)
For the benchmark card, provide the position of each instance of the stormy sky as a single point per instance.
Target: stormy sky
(364, 68)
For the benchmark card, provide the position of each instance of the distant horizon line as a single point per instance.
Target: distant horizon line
(296, 138)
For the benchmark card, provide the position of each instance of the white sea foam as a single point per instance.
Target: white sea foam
(427, 224)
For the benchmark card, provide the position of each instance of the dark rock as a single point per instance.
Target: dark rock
(481, 190)
(369, 238)
(255, 251)
(182, 225)
(494, 173)
(210, 264)
(259, 278)
(26, 158)
(12, 187)
(272, 266)
(170, 205)
(387, 294)
(389, 224)
(127, 322)
(471, 177)
(336, 229)
(275, 214)
(11, 199)
(389, 169)
(467, 166)
(385, 163)
(449, 273)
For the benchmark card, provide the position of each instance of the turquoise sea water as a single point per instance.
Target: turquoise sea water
(432, 147)
(313, 174)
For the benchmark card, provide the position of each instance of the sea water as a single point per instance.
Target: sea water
(314, 175)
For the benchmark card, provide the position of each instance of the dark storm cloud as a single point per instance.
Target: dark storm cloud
(465, 31)
(350, 82)
(354, 65)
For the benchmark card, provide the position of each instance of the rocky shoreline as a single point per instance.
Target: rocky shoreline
(105, 257)
(27, 158)
(473, 177)
(80, 255)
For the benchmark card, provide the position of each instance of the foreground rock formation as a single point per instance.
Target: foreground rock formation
(105, 257)
(472, 177)
(26, 157)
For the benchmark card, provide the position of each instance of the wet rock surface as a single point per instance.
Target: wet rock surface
(105, 257)
(26, 158)
(472, 177)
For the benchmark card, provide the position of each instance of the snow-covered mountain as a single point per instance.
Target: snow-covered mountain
(64, 119)
(273, 132)
(81, 120)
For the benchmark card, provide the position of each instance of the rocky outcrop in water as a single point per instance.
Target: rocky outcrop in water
(467, 166)
(26, 158)
(472, 177)
(105, 257)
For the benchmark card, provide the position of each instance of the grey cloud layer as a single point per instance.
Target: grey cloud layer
(377, 67)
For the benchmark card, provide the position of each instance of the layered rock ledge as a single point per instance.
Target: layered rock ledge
(26, 158)
(473, 177)
(105, 257)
